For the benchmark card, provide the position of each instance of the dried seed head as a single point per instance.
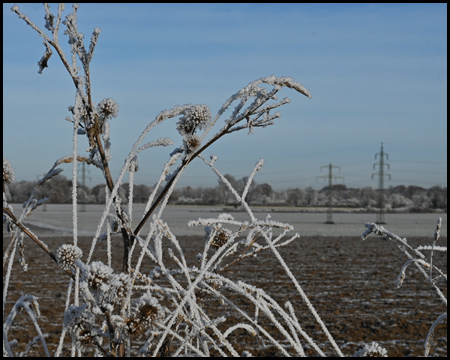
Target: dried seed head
(221, 237)
(79, 322)
(148, 311)
(195, 117)
(8, 173)
(108, 108)
(191, 142)
(122, 283)
(145, 311)
(67, 255)
(96, 274)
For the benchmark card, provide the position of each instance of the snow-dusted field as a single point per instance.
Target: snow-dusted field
(59, 217)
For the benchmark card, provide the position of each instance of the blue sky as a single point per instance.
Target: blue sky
(377, 73)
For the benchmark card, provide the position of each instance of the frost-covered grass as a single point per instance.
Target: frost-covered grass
(110, 310)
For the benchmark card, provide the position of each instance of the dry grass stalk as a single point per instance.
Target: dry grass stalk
(108, 311)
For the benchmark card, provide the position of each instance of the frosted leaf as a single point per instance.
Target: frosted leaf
(43, 62)
(49, 18)
(288, 82)
(50, 174)
(29, 301)
(94, 40)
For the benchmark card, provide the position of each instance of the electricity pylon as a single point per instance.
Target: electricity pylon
(83, 182)
(381, 174)
(330, 177)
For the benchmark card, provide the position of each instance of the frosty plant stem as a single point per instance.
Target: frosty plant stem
(252, 115)
(157, 302)
(98, 284)
(33, 237)
(418, 258)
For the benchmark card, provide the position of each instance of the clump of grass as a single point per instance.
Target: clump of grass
(433, 275)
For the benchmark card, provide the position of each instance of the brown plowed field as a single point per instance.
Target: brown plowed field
(351, 283)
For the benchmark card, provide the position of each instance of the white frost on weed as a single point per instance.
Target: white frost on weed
(371, 350)
(8, 173)
(107, 109)
(67, 254)
(195, 117)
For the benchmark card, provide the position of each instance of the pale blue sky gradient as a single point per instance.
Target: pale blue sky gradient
(377, 73)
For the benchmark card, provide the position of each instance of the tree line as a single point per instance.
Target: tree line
(401, 197)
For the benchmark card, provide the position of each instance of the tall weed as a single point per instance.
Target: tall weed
(126, 311)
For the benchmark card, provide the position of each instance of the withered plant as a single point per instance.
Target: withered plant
(433, 275)
(129, 311)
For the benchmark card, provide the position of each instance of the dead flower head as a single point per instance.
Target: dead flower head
(67, 255)
(221, 237)
(195, 117)
(191, 142)
(108, 108)
(96, 274)
(79, 322)
(145, 311)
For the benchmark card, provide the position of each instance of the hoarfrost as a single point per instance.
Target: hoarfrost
(371, 350)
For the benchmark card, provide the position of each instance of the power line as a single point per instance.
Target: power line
(420, 162)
